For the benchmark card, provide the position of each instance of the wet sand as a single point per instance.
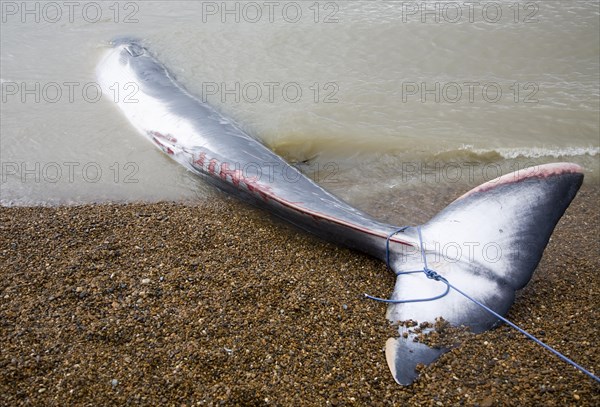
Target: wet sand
(218, 303)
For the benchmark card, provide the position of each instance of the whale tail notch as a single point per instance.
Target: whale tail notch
(487, 243)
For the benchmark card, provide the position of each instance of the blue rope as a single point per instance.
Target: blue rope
(387, 244)
(428, 272)
(432, 274)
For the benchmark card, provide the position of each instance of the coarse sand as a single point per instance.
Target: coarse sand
(219, 303)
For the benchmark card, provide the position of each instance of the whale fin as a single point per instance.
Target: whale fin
(487, 243)
(404, 354)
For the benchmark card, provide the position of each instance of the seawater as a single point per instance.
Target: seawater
(374, 100)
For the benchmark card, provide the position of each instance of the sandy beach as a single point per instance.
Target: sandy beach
(219, 303)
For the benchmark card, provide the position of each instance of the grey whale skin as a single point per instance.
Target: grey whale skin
(507, 222)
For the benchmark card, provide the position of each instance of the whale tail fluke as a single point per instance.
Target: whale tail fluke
(487, 243)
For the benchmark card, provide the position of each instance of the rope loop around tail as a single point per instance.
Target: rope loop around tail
(428, 272)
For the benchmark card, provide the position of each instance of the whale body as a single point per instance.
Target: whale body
(505, 223)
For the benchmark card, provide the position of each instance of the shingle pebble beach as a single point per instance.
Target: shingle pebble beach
(218, 303)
